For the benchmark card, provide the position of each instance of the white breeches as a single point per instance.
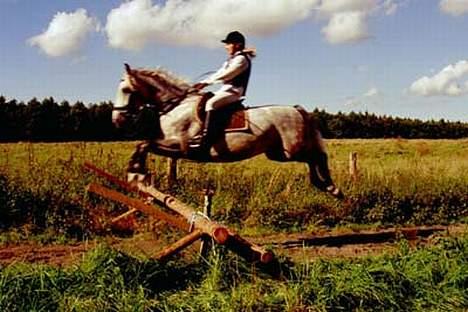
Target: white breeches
(221, 99)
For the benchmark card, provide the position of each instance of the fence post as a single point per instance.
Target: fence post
(353, 169)
(205, 245)
(171, 172)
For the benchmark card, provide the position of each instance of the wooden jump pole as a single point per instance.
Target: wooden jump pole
(179, 245)
(197, 221)
(215, 230)
(124, 215)
(231, 239)
(212, 228)
(247, 250)
(138, 204)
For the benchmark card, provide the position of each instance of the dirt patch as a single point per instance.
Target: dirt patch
(350, 244)
(297, 247)
(346, 251)
(57, 255)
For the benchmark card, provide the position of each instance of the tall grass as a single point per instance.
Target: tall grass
(400, 182)
(427, 279)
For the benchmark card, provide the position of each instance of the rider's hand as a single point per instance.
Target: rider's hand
(199, 85)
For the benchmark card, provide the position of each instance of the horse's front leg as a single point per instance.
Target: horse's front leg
(137, 169)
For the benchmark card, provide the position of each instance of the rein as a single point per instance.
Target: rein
(174, 101)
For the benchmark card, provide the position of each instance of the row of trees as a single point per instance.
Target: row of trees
(365, 125)
(47, 120)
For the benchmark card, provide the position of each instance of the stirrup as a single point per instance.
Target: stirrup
(196, 141)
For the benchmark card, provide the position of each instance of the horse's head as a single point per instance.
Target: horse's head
(139, 87)
(131, 96)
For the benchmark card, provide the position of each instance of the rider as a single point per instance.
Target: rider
(234, 77)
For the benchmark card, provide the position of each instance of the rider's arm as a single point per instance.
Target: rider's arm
(230, 70)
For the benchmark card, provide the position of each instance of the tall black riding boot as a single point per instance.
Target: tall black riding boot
(207, 138)
(209, 132)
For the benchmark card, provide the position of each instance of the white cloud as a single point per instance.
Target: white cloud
(372, 92)
(199, 22)
(371, 96)
(137, 23)
(454, 7)
(448, 82)
(66, 33)
(331, 7)
(352, 101)
(390, 7)
(346, 27)
(348, 19)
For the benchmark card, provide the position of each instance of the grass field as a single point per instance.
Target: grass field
(426, 279)
(401, 182)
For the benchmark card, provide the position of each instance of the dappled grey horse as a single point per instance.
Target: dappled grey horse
(283, 133)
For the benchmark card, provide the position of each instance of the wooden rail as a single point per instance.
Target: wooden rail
(179, 245)
(212, 228)
(138, 204)
(196, 221)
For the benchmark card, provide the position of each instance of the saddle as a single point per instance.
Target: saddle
(233, 118)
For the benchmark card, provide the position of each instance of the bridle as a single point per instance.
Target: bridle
(160, 107)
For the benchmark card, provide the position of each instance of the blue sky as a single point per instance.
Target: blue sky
(406, 58)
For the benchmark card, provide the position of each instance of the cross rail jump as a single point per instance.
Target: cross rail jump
(186, 218)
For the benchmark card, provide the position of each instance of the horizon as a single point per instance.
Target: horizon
(89, 104)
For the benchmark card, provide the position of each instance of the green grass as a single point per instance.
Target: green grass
(400, 182)
(426, 279)
(43, 198)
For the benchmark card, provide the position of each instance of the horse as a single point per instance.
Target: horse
(282, 133)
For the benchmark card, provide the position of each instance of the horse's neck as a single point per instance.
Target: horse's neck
(181, 120)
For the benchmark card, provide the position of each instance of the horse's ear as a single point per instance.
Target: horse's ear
(128, 69)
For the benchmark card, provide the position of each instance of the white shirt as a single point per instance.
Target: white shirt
(234, 66)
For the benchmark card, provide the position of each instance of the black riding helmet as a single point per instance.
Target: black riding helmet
(234, 37)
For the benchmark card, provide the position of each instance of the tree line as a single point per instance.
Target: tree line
(50, 121)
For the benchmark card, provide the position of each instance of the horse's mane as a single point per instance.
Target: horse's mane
(160, 76)
(172, 89)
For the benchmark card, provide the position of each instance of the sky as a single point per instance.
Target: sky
(401, 58)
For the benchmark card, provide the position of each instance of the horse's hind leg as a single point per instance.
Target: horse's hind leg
(136, 169)
(320, 175)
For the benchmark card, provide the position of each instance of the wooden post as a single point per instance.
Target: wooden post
(353, 169)
(206, 242)
(171, 172)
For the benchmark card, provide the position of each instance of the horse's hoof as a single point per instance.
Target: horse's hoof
(335, 192)
(339, 195)
(136, 177)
